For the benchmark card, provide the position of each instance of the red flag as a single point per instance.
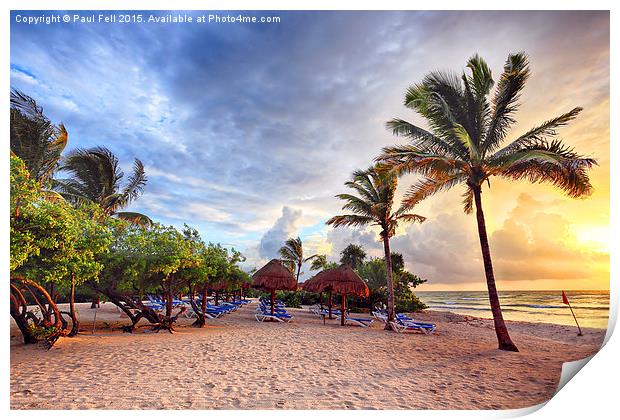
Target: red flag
(564, 298)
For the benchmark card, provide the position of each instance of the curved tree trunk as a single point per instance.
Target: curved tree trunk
(390, 282)
(21, 316)
(503, 338)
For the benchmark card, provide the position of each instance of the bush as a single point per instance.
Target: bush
(290, 299)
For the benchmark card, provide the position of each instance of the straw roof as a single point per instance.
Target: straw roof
(274, 276)
(310, 285)
(338, 280)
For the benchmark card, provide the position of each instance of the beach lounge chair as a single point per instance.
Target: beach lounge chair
(277, 316)
(412, 327)
(362, 322)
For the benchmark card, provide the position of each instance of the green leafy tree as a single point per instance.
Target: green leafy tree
(52, 243)
(373, 206)
(465, 145)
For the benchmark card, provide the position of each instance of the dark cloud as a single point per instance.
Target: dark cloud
(236, 122)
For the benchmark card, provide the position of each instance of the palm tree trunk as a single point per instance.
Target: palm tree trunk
(390, 283)
(503, 338)
(298, 270)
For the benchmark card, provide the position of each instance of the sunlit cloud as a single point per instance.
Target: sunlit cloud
(249, 143)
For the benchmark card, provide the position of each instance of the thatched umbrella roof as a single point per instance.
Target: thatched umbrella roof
(274, 276)
(341, 280)
(310, 285)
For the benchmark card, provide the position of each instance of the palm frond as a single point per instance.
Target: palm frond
(404, 159)
(135, 218)
(542, 132)
(468, 200)
(350, 220)
(135, 183)
(426, 187)
(409, 217)
(545, 162)
(506, 100)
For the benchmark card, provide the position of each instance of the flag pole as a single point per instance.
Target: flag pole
(574, 317)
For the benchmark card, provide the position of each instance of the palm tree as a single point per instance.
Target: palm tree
(463, 146)
(292, 254)
(34, 139)
(353, 255)
(319, 262)
(374, 206)
(94, 175)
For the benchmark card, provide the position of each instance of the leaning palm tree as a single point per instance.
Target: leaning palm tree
(94, 175)
(464, 146)
(292, 254)
(374, 206)
(35, 139)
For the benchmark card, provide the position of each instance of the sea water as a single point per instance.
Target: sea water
(591, 307)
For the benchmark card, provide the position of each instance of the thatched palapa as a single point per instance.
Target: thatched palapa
(342, 280)
(274, 276)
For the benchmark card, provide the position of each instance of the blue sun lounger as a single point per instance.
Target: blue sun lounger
(362, 322)
(404, 326)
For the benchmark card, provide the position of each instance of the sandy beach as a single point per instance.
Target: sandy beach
(238, 363)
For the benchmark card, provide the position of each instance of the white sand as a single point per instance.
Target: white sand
(238, 363)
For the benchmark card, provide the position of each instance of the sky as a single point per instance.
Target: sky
(247, 131)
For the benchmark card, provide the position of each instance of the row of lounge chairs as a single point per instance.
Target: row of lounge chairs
(403, 323)
(348, 319)
(263, 311)
(212, 311)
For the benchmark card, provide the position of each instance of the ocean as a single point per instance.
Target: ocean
(591, 307)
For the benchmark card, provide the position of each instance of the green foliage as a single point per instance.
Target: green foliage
(468, 129)
(34, 139)
(51, 241)
(353, 255)
(374, 273)
(290, 298)
(95, 176)
(24, 193)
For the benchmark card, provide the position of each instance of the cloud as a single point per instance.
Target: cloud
(285, 227)
(232, 130)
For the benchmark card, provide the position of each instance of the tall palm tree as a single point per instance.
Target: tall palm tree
(34, 138)
(94, 175)
(463, 146)
(374, 206)
(292, 254)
